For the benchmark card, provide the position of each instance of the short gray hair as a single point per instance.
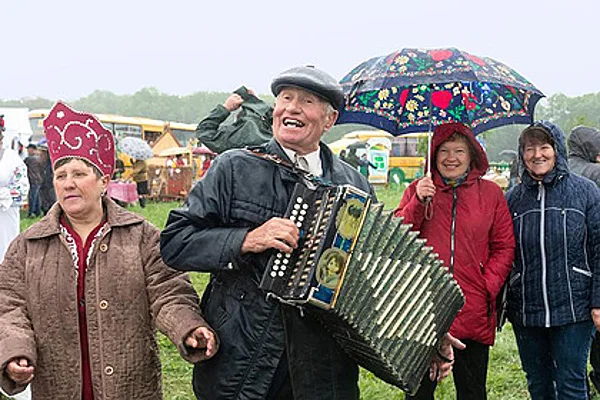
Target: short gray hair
(329, 109)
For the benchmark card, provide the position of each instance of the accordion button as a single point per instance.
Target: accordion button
(305, 206)
(273, 274)
(299, 224)
(279, 255)
(283, 268)
(280, 273)
(296, 206)
(302, 212)
(287, 260)
(299, 200)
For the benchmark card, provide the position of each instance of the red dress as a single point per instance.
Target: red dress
(81, 253)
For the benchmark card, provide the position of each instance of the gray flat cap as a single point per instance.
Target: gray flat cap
(312, 79)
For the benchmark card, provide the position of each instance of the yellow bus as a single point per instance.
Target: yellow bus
(143, 128)
(404, 164)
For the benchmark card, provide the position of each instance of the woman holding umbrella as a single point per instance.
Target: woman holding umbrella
(467, 222)
(139, 151)
(140, 177)
(554, 289)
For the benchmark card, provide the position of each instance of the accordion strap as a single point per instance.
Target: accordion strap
(309, 179)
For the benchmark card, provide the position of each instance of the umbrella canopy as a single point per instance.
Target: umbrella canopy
(203, 150)
(358, 145)
(510, 153)
(173, 151)
(412, 90)
(135, 148)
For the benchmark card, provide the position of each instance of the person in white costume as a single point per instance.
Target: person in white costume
(14, 187)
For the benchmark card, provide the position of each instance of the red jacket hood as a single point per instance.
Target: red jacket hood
(441, 133)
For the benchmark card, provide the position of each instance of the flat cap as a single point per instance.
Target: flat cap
(312, 79)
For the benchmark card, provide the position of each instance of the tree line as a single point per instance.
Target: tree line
(567, 112)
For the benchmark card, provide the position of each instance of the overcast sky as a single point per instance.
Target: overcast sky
(69, 48)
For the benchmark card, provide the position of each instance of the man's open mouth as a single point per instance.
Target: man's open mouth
(294, 123)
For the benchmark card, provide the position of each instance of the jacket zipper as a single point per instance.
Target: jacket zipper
(542, 198)
(453, 230)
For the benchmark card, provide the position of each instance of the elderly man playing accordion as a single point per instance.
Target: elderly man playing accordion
(230, 225)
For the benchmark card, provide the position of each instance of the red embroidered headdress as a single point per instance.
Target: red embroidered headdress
(79, 135)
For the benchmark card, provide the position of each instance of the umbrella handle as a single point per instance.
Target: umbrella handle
(429, 136)
(428, 202)
(427, 199)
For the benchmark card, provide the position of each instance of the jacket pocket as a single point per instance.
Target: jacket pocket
(514, 279)
(488, 296)
(215, 310)
(583, 271)
(581, 281)
(514, 294)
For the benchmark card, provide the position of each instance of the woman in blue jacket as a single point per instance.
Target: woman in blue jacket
(554, 290)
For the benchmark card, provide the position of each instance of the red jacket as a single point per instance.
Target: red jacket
(483, 237)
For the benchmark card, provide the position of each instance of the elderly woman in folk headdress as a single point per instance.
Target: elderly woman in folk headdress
(82, 289)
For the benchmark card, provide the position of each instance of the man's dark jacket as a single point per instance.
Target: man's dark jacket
(239, 193)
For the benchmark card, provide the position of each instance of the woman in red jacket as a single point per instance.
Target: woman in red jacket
(466, 220)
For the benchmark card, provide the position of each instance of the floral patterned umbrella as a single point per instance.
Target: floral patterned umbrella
(135, 148)
(412, 90)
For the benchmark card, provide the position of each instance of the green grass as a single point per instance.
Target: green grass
(505, 378)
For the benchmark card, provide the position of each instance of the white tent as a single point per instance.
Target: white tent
(18, 129)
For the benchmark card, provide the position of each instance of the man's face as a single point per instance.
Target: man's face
(299, 120)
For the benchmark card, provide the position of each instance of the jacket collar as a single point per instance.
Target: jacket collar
(50, 225)
(333, 170)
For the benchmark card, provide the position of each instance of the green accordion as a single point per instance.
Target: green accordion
(379, 289)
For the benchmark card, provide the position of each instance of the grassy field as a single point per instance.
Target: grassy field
(505, 378)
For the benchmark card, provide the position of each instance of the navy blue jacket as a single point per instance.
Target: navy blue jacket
(556, 276)
(239, 193)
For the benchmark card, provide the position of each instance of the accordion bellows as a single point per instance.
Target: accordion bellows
(379, 289)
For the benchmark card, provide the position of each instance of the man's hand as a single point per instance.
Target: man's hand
(441, 365)
(233, 102)
(425, 188)
(596, 318)
(20, 371)
(202, 338)
(277, 233)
